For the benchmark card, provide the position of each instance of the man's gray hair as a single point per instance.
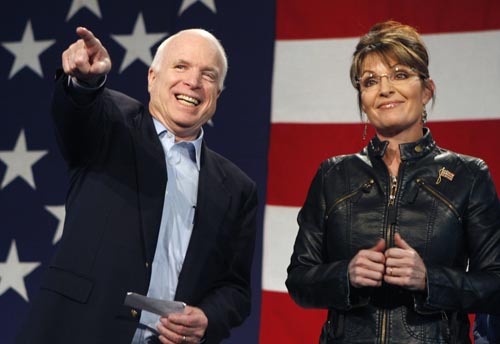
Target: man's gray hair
(158, 58)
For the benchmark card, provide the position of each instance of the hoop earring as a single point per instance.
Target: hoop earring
(424, 116)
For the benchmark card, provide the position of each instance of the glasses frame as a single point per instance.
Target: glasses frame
(390, 77)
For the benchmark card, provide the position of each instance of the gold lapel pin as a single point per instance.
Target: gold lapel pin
(443, 172)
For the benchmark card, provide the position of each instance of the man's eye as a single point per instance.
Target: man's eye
(180, 67)
(209, 76)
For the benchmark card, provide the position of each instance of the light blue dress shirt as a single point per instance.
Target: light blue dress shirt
(183, 167)
(183, 170)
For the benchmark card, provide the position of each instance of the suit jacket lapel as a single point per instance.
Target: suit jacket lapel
(151, 181)
(212, 204)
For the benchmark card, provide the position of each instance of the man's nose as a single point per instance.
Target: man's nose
(193, 79)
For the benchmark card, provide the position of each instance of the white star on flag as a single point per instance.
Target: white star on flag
(27, 51)
(188, 3)
(13, 272)
(19, 162)
(59, 212)
(77, 5)
(138, 44)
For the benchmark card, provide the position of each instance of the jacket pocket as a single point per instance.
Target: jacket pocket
(333, 328)
(68, 284)
(354, 326)
(440, 197)
(430, 328)
(353, 196)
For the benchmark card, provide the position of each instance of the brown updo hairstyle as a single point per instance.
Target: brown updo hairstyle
(396, 41)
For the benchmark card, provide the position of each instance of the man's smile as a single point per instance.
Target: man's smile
(187, 100)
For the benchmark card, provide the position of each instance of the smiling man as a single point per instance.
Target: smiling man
(185, 80)
(150, 209)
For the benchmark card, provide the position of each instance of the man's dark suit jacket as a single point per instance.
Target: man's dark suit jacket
(113, 212)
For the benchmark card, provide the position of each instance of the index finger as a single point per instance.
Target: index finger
(395, 252)
(87, 36)
(368, 256)
(184, 320)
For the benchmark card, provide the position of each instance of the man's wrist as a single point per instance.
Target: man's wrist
(84, 86)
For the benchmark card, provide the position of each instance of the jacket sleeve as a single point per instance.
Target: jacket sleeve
(229, 302)
(79, 121)
(314, 282)
(478, 289)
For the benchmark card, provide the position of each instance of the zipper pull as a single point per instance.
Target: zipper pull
(394, 188)
(391, 216)
(364, 189)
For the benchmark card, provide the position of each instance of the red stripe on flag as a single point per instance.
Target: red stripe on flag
(299, 19)
(299, 326)
(297, 149)
(295, 152)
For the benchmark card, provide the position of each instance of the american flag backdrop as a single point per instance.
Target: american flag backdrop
(288, 104)
(314, 113)
(33, 177)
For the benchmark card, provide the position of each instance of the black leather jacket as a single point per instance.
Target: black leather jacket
(445, 206)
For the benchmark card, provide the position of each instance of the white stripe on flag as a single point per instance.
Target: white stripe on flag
(311, 78)
(280, 230)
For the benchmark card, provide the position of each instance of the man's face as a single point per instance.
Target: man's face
(184, 89)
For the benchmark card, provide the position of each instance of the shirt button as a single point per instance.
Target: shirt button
(134, 313)
(418, 148)
(147, 265)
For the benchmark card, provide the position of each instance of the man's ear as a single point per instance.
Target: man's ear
(151, 78)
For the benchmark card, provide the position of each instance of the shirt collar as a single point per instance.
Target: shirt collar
(170, 141)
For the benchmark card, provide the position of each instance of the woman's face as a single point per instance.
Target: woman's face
(393, 97)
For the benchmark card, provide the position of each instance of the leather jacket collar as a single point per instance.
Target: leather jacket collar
(409, 151)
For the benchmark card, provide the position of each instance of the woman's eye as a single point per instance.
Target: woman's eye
(401, 75)
(369, 82)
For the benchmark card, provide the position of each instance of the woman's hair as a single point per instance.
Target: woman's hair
(391, 40)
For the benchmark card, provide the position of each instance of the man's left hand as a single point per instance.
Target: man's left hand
(188, 327)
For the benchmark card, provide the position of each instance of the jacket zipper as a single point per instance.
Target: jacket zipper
(440, 197)
(391, 204)
(365, 187)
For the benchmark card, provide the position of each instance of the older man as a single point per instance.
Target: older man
(189, 237)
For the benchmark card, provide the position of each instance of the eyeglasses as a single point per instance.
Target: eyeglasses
(398, 76)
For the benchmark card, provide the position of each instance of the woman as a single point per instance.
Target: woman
(400, 241)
